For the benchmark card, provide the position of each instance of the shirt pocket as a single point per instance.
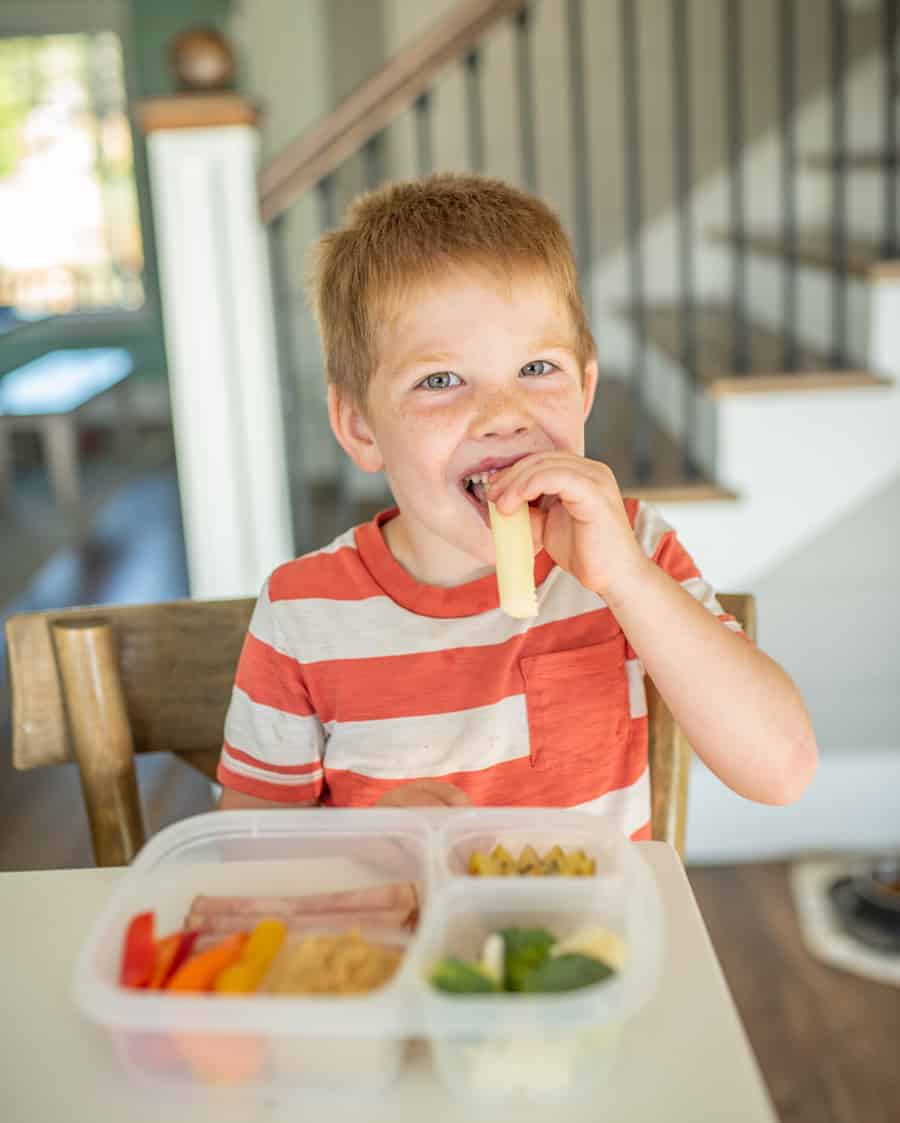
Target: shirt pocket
(578, 706)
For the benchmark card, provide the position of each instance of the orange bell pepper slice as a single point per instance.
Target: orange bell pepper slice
(171, 952)
(199, 972)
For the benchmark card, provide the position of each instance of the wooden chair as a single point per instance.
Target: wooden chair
(98, 684)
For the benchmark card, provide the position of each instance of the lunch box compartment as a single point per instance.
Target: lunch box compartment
(553, 1046)
(354, 1045)
(465, 832)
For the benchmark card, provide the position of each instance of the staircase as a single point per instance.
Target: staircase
(748, 320)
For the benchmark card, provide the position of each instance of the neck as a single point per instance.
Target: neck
(432, 563)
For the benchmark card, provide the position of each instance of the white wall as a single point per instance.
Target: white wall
(830, 614)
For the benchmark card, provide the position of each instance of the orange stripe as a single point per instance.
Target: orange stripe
(567, 780)
(263, 789)
(338, 575)
(272, 679)
(443, 681)
(672, 557)
(280, 769)
(643, 834)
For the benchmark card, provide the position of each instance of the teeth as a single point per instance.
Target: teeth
(479, 477)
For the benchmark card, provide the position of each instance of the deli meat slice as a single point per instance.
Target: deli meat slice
(380, 906)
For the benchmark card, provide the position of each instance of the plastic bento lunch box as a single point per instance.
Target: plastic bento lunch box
(485, 1046)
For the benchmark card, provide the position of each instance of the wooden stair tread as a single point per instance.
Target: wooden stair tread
(715, 366)
(609, 437)
(871, 159)
(814, 247)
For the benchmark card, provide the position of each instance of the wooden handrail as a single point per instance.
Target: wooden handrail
(372, 105)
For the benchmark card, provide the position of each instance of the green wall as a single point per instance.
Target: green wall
(149, 25)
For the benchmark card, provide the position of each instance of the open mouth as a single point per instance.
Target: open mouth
(475, 489)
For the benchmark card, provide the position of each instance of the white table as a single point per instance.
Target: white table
(686, 1057)
(48, 396)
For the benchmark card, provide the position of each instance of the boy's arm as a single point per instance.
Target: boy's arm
(742, 714)
(231, 800)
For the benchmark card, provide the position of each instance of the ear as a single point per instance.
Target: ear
(589, 385)
(353, 432)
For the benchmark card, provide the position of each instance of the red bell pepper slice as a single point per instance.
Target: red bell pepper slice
(171, 952)
(138, 951)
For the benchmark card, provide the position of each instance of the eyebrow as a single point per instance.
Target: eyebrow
(439, 359)
(551, 345)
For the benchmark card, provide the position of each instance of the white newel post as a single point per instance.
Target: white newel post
(220, 341)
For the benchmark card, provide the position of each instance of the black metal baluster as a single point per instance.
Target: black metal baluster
(786, 30)
(526, 96)
(342, 511)
(839, 186)
(325, 195)
(633, 221)
(474, 121)
(889, 40)
(289, 386)
(424, 153)
(373, 162)
(580, 150)
(681, 105)
(735, 141)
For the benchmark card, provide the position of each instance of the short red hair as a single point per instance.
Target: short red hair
(401, 235)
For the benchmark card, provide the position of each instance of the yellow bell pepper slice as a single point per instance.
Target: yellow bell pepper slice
(261, 948)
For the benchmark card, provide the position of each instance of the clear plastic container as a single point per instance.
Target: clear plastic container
(497, 1047)
(354, 1045)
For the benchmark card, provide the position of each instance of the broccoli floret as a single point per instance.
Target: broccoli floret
(526, 949)
(456, 977)
(565, 972)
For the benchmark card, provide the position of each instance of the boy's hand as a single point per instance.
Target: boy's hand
(582, 523)
(425, 793)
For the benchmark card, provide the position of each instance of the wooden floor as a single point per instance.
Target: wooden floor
(827, 1042)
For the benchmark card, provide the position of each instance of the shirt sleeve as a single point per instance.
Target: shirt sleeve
(659, 541)
(273, 738)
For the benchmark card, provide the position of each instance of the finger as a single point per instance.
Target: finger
(456, 797)
(511, 479)
(441, 791)
(410, 796)
(577, 490)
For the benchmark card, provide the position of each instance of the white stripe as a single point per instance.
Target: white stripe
(637, 693)
(348, 538)
(432, 744)
(628, 807)
(270, 734)
(649, 528)
(333, 629)
(704, 594)
(242, 768)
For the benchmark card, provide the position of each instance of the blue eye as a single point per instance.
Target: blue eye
(538, 367)
(440, 381)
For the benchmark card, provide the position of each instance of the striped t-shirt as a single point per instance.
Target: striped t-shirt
(354, 677)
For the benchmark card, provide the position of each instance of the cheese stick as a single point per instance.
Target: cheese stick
(515, 561)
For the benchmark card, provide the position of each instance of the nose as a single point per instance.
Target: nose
(500, 415)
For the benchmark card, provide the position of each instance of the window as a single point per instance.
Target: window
(70, 236)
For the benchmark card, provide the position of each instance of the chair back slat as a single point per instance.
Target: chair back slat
(176, 662)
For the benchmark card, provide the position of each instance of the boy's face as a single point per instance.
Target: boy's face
(472, 373)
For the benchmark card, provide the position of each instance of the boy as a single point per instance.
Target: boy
(380, 669)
